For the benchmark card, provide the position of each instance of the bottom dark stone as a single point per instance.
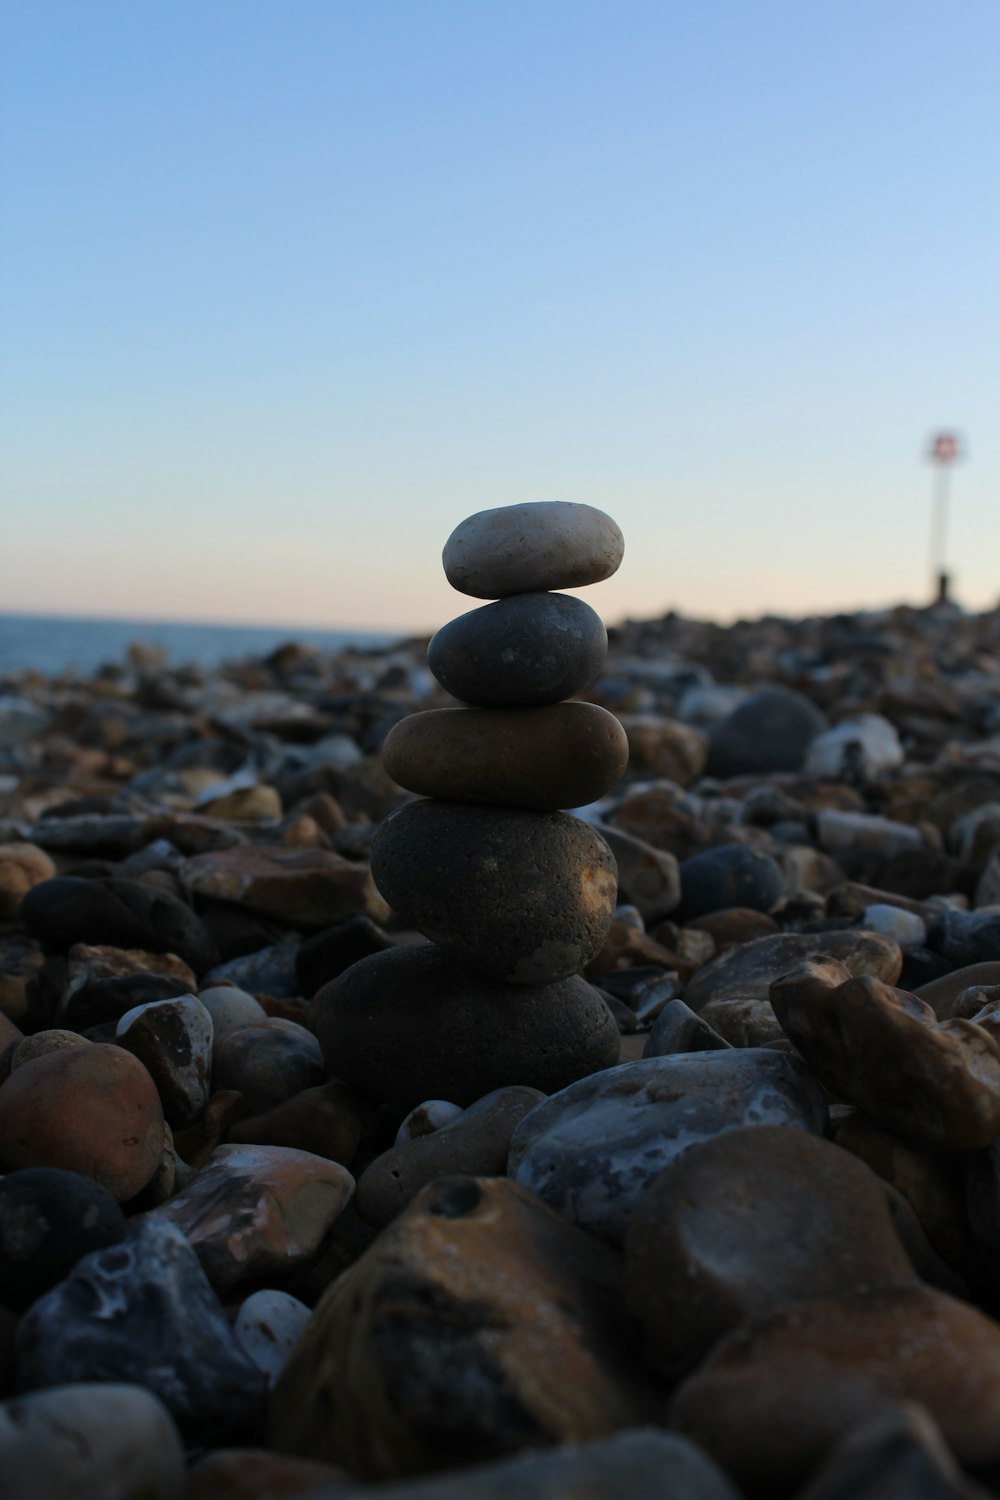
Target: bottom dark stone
(412, 1024)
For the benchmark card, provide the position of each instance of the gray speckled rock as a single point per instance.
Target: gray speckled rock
(413, 1024)
(559, 755)
(89, 1442)
(522, 549)
(523, 650)
(591, 1150)
(523, 897)
(143, 1312)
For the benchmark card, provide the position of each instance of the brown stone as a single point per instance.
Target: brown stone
(21, 867)
(883, 1050)
(941, 994)
(734, 925)
(306, 887)
(648, 878)
(659, 747)
(478, 1323)
(252, 1211)
(743, 1022)
(249, 804)
(41, 1042)
(196, 1144)
(559, 755)
(327, 1121)
(91, 1109)
(657, 815)
(477, 1142)
(929, 1179)
(22, 963)
(749, 970)
(93, 961)
(256, 1474)
(745, 1223)
(771, 1400)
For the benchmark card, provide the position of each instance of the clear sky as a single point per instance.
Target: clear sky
(290, 287)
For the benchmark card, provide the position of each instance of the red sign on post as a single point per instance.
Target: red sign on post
(944, 448)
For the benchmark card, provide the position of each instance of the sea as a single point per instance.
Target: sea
(62, 643)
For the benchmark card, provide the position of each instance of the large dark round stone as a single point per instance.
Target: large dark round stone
(48, 1220)
(523, 897)
(413, 1024)
(121, 913)
(771, 731)
(523, 650)
(729, 875)
(559, 755)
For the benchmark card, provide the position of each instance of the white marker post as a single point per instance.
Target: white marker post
(944, 451)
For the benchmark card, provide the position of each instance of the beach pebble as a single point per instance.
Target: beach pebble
(729, 875)
(769, 1402)
(325, 955)
(855, 750)
(41, 1042)
(269, 1324)
(883, 1050)
(941, 994)
(664, 747)
(560, 755)
(527, 549)
(49, 1219)
(966, 937)
(476, 1142)
(230, 1008)
(259, 1474)
(173, 1040)
(476, 1323)
(328, 1121)
(843, 832)
(414, 1024)
(22, 865)
(744, 1223)
(907, 928)
(142, 1311)
(252, 1211)
(91, 1109)
(305, 887)
(898, 1454)
(429, 1116)
(769, 731)
(592, 1149)
(732, 925)
(748, 971)
(521, 651)
(90, 1442)
(269, 970)
(118, 913)
(648, 878)
(677, 1029)
(268, 1063)
(642, 1463)
(522, 897)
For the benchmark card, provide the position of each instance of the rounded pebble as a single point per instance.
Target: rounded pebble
(523, 650)
(524, 549)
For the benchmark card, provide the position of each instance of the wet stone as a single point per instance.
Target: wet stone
(252, 1211)
(413, 1024)
(522, 897)
(592, 1149)
(524, 650)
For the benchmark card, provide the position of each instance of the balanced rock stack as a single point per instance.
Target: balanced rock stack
(515, 895)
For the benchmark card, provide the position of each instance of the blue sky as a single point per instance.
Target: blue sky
(288, 289)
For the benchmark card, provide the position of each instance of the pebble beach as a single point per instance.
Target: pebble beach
(534, 1060)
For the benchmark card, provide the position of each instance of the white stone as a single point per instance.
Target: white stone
(855, 749)
(522, 549)
(839, 831)
(89, 1442)
(269, 1325)
(909, 929)
(427, 1118)
(230, 1009)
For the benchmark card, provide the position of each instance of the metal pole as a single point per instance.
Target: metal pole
(939, 526)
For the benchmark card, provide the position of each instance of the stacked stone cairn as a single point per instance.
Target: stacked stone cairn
(515, 895)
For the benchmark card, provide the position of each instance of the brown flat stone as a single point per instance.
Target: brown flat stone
(749, 970)
(306, 887)
(559, 755)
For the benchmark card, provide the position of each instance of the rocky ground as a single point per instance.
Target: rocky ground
(260, 1239)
